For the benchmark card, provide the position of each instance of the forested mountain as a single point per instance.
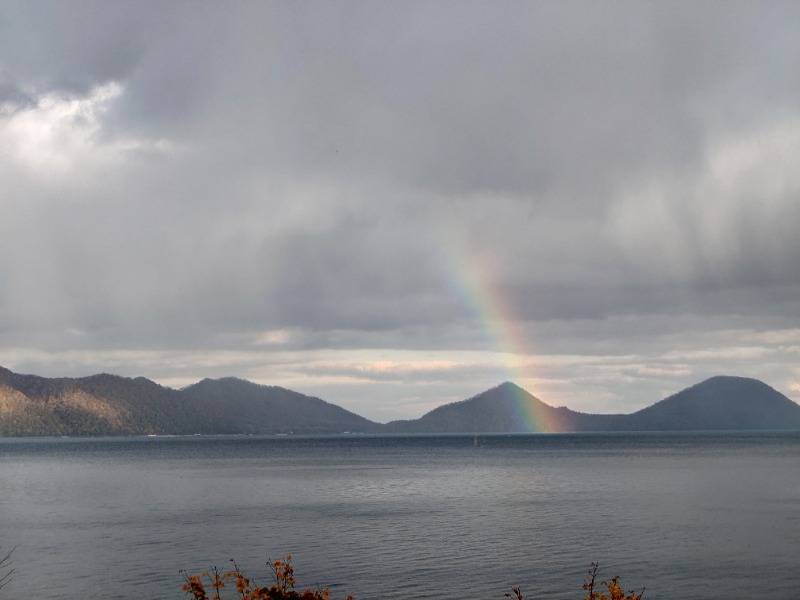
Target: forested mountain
(101, 405)
(506, 408)
(111, 405)
(719, 403)
(239, 406)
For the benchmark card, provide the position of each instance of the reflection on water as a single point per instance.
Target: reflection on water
(713, 515)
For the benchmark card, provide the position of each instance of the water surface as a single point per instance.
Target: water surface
(688, 515)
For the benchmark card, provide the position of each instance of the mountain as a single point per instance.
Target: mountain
(112, 405)
(719, 403)
(239, 406)
(506, 408)
(101, 404)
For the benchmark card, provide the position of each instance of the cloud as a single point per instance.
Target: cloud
(352, 197)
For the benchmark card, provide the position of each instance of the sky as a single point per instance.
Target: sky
(395, 205)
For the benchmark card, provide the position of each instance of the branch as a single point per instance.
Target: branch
(6, 562)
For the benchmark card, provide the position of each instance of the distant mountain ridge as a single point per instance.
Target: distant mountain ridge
(722, 403)
(506, 408)
(718, 403)
(107, 404)
(246, 407)
(112, 405)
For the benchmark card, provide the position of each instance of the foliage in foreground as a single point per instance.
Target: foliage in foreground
(283, 588)
(246, 589)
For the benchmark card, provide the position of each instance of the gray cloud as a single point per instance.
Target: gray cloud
(443, 182)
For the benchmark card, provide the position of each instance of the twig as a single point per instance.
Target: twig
(6, 562)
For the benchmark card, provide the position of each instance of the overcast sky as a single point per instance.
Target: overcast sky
(394, 205)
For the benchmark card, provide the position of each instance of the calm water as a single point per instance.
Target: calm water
(688, 515)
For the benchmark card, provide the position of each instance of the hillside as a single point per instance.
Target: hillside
(719, 403)
(100, 404)
(239, 406)
(504, 409)
(728, 403)
(112, 405)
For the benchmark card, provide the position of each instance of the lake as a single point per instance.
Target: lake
(690, 515)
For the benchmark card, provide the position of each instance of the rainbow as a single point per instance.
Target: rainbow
(534, 416)
(468, 276)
